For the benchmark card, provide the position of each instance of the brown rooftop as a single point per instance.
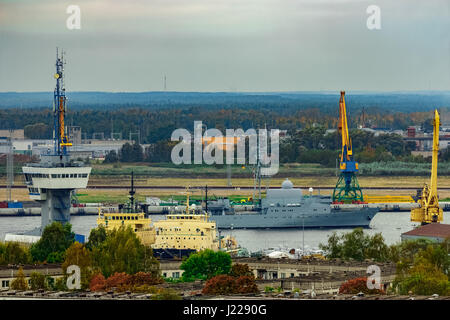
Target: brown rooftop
(431, 230)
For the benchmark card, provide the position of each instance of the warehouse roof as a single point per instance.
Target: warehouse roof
(431, 230)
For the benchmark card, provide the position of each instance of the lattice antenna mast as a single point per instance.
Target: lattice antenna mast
(61, 140)
(9, 167)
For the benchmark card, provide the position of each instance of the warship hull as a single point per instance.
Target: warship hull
(297, 218)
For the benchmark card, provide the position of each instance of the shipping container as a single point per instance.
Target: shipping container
(80, 238)
(15, 205)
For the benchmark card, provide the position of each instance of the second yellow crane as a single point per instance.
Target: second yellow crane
(429, 210)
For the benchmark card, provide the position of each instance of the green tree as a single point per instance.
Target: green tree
(38, 281)
(77, 254)
(61, 284)
(19, 283)
(122, 251)
(403, 254)
(423, 278)
(111, 157)
(14, 253)
(422, 267)
(333, 248)
(357, 246)
(53, 243)
(206, 264)
(37, 131)
(96, 237)
(377, 249)
(131, 153)
(160, 151)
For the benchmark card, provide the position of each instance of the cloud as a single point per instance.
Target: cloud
(218, 44)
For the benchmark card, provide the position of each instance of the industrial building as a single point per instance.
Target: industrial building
(435, 232)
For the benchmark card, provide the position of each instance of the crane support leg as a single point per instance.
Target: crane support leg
(347, 189)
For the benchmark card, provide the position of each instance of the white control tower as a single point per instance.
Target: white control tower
(52, 180)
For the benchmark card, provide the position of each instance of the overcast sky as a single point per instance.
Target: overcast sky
(226, 45)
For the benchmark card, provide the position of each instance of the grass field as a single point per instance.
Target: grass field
(121, 195)
(302, 175)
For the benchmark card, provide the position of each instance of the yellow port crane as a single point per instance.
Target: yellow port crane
(347, 188)
(429, 210)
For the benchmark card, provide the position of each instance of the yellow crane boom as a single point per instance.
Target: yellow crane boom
(429, 210)
(346, 151)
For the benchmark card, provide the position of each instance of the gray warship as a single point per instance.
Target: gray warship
(288, 208)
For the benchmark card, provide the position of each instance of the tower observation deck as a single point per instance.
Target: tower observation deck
(52, 180)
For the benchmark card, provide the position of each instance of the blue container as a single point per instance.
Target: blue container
(80, 238)
(15, 205)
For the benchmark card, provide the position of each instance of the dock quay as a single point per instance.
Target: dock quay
(36, 211)
(92, 209)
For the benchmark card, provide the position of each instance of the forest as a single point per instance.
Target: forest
(158, 125)
(150, 118)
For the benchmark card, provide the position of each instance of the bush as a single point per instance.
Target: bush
(139, 282)
(61, 284)
(357, 285)
(225, 284)
(221, 284)
(246, 284)
(97, 283)
(143, 278)
(38, 281)
(240, 269)
(145, 289)
(166, 294)
(120, 281)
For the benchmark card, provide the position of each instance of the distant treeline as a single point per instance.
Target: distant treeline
(284, 102)
(157, 125)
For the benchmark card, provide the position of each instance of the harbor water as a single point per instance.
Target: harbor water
(390, 224)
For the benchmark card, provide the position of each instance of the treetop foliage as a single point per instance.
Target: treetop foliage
(206, 264)
(356, 245)
(52, 245)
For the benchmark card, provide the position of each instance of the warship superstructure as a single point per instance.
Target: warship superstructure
(288, 208)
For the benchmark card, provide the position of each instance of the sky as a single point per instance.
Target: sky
(226, 45)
